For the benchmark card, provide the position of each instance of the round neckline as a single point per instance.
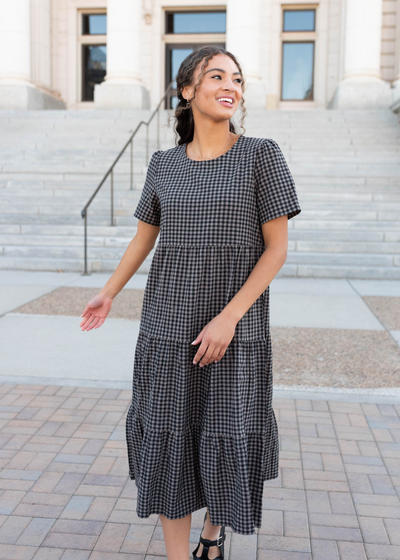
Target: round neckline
(208, 160)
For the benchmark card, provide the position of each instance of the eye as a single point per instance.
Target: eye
(237, 79)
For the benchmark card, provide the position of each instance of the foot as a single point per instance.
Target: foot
(210, 532)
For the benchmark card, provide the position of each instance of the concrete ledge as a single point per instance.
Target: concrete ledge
(27, 97)
(384, 395)
(368, 95)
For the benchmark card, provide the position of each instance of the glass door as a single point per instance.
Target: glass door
(175, 54)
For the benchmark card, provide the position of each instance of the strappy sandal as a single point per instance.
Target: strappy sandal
(206, 544)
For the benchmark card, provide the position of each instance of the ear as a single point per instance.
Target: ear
(185, 93)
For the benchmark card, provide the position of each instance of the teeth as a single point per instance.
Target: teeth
(225, 99)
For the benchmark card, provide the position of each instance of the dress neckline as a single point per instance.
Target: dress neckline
(183, 146)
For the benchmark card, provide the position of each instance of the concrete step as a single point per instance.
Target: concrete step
(70, 231)
(50, 219)
(350, 271)
(129, 198)
(341, 259)
(67, 230)
(288, 270)
(336, 247)
(28, 241)
(62, 252)
(101, 207)
(124, 217)
(114, 248)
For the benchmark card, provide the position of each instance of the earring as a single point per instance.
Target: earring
(187, 104)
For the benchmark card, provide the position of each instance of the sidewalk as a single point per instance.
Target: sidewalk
(65, 491)
(64, 394)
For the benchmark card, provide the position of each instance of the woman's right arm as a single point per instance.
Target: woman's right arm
(97, 309)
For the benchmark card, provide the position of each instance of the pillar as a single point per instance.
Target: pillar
(396, 84)
(122, 87)
(25, 79)
(243, 34)
(361, 85)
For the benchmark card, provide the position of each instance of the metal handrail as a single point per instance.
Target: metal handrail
(111, 170)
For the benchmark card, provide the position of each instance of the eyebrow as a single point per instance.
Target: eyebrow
(220, 70)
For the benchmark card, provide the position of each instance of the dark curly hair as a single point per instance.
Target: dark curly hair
(184, 123)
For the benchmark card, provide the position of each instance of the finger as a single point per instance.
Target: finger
(84, 322)
(100, 322)
(85, 311)
(94, 323)
(216, 353)
(199, 337)
(220, 354)
(209, 357)
(200, 352)
(85, 315)
(89, 319)
(93, 318)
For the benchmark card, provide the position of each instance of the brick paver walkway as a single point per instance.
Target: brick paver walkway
(65, 492)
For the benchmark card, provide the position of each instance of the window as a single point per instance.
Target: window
(299, 20)
(195, 22)
(298, 46)
(94, 69)
(93, 39)
(94, 24)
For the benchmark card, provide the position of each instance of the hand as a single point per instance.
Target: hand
(95, 312)
(215, 339)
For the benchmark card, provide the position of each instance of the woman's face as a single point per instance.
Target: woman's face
(221, 78)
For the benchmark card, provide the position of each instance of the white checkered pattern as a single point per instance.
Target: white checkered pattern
(206, 436)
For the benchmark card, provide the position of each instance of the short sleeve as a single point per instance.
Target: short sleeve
(148, 209)
(275, 188)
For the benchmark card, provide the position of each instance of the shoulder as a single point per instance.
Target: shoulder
(170, 154)
(261, 146)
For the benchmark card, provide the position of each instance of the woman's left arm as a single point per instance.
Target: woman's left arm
(218, 333)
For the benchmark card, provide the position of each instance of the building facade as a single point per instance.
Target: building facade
(111, 54)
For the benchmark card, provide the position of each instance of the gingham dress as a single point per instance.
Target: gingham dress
(207, 436)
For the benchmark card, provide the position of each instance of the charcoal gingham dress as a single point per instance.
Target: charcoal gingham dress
(207, 436)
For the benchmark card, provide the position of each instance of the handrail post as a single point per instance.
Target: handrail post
(158, 128)
(147, 143)
(132, 164)
(112, 197)
(85, 243)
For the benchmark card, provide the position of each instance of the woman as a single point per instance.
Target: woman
(201, 431)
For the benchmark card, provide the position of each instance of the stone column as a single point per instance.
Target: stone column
(361, 85)
(123, 87)
(25, 74)
(243, 32)
(15, 53)
(396, 84)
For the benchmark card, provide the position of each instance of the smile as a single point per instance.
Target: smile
(225, 101)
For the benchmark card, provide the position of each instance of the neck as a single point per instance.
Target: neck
(209, 140)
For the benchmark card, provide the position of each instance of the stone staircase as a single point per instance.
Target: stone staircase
(346, 166)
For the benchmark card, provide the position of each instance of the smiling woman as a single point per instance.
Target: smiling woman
(201, 431)
(201, 421)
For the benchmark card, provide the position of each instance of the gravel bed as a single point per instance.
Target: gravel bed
(386, 309)
(335, 357)
(72, 302)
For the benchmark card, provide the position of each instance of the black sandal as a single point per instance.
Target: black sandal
(206, 544)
